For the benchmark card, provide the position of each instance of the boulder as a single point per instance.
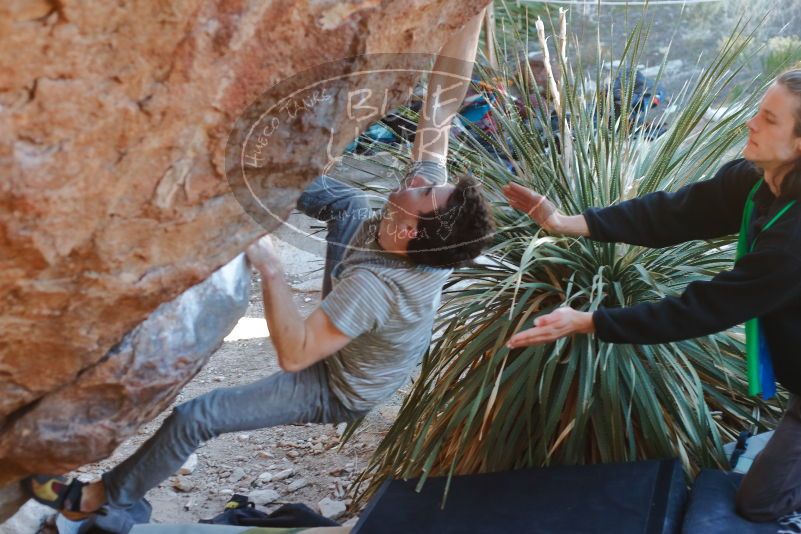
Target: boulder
(116, 193)
(137, 379)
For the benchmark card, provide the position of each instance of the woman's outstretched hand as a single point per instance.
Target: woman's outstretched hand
(536, 206)
(544, 213)
(557, 324)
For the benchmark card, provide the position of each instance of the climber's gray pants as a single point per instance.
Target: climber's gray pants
(283, 398)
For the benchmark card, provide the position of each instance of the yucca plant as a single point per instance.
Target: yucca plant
(478, 406)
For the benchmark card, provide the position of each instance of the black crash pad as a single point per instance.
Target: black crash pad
(638, 497)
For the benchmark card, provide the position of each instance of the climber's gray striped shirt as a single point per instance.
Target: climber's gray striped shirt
(387, 305)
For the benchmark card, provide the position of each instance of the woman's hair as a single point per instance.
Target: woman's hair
(791, 80)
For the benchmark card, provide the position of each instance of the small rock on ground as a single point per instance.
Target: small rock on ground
(265, 496)
(283, 475)
(297, 484)
(330, 508)
(237, 475)
(189, 465)
(181, 483)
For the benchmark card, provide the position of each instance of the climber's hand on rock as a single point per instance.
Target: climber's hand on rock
(263, 256)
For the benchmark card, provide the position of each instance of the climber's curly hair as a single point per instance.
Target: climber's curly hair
(458, 232)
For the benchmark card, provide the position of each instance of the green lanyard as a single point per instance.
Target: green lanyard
(742, 242)
(752, 325)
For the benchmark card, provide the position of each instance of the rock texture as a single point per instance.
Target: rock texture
(132, 383)
(113, 123)
(28, 519)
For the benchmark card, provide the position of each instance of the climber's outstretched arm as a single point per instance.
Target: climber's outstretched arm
(447, 87)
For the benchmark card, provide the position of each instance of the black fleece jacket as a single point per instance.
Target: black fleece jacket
(764, 283)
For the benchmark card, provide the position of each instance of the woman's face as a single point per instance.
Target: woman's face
(772, 142)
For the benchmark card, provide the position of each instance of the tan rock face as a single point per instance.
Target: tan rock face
(113, 126)
(133, 381)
